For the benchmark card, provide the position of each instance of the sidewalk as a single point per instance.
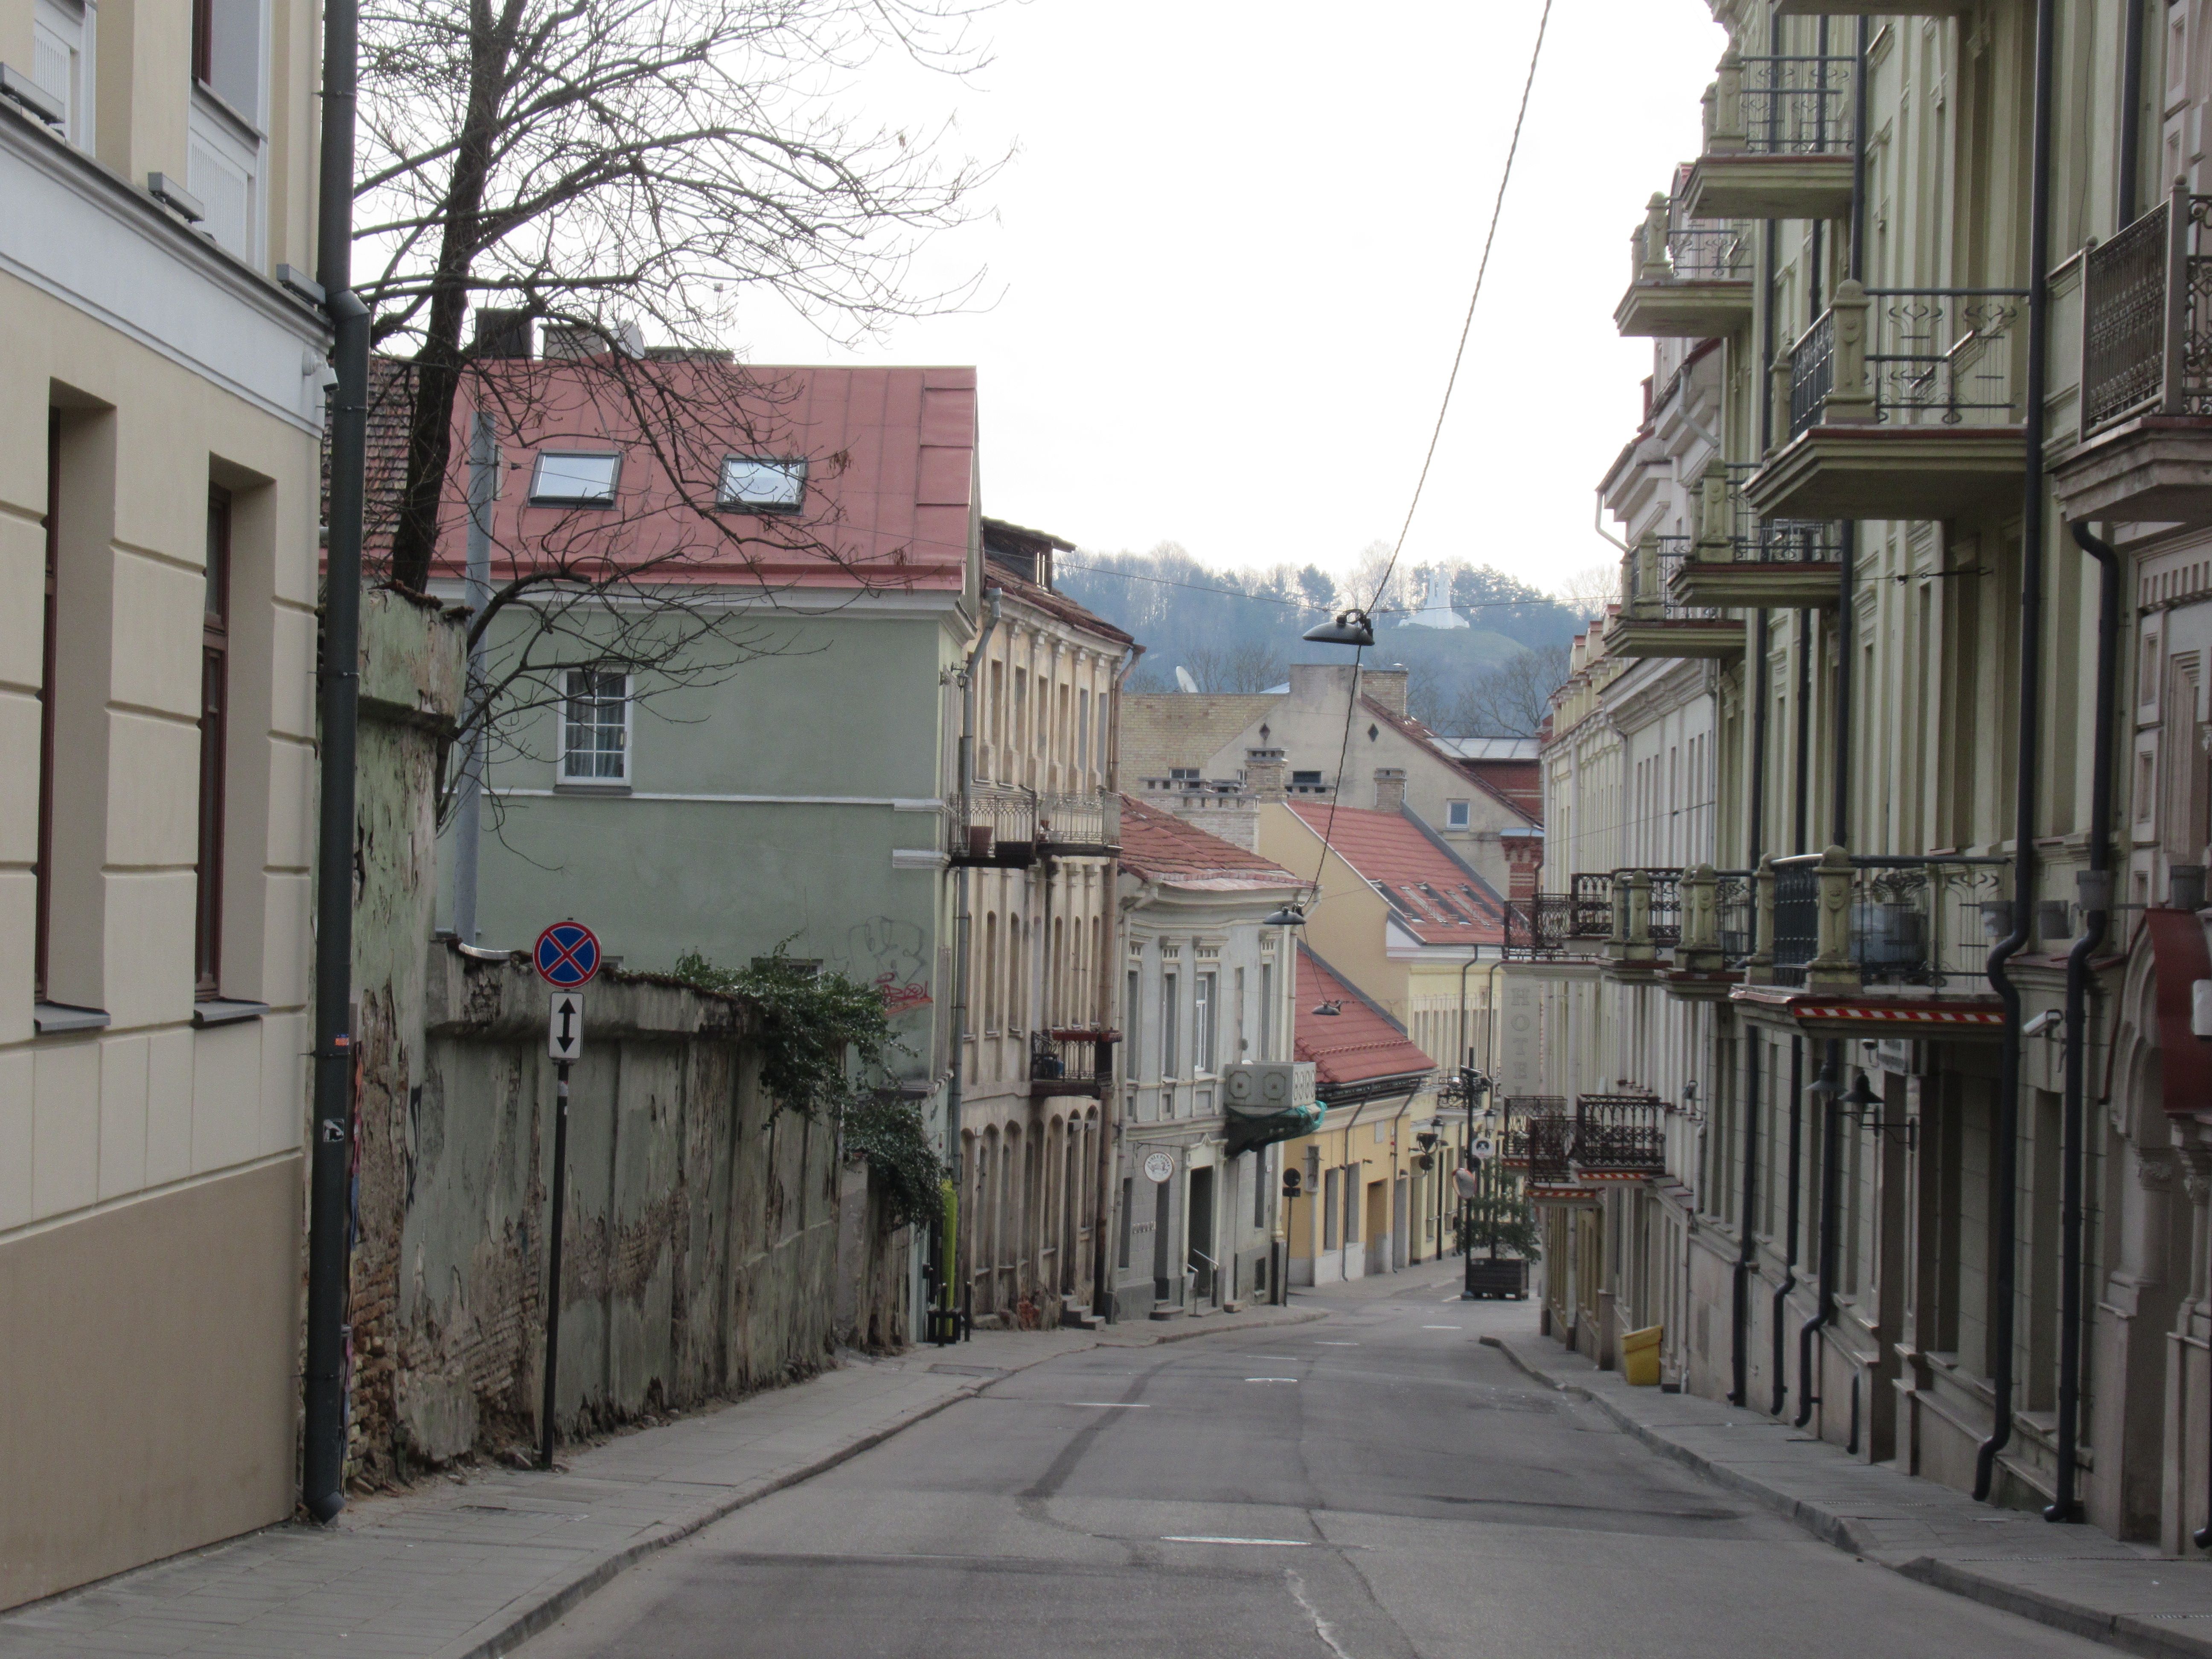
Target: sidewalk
(2072, 1578)
(469, 1568)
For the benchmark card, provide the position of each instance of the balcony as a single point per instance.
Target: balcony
(1737, 561)
(1844, 943)
(1647, 910)
(1563, 927)
(992, 826)
(1071, 1060)
(1778, 134)
(1086, 825)
(1619, 1137)
(1549, 1137)
(1686, 282)
(2146, 450)
(1718, 926)
(1656, 620)
(1514, 1137)
(1899, 404)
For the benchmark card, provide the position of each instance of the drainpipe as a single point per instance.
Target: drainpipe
(2131, 97)
(1789, 1280)
(323, 1430)
(2096, 895)
(468, 814)
(955, 1279)
(2024, 765)
(1746, 1260)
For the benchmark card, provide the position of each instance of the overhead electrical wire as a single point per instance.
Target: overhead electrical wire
(1437, 431)
(1302, 605)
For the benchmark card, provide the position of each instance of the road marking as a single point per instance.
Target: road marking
(1444, 1327)
(1450, 1299)
(1114, 1405)
(1271, 1379)
(1279, 1543)
(1337, 1345)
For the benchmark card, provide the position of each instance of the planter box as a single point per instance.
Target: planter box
(1506, 1276)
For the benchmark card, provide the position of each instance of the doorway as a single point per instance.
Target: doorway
(1378, 1226)
(1163, 1287)
(1201, 1260)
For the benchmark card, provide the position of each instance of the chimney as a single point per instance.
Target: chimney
(1524, 865)
(503, 331)
(1266, 774)
(1390, 787)
(1387, 686)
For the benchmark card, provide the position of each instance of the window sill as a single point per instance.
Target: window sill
(219, 1011)
(51, 1018)
(589, 786)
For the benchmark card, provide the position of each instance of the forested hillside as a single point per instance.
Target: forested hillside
(1238, 630)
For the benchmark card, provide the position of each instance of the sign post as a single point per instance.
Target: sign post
(567, 955)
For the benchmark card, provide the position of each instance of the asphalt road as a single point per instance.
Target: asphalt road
(1372, 1486)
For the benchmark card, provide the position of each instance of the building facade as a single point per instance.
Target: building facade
(1940, 568)
(158, 519)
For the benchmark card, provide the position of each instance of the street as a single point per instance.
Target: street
(1375, 1483)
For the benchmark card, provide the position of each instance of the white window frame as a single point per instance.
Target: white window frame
(69, 28)
(792, 467)
(537, 497)
(1459, 814)
(566, 773)
(1204, 1006)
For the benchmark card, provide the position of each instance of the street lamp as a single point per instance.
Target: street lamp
(1351, 627)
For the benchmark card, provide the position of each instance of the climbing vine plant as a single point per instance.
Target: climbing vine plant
(826, 1045)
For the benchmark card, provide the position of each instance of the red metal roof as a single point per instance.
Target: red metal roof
(1434, 897)
(1357, 1044)
(889, 497)
(1165, 847)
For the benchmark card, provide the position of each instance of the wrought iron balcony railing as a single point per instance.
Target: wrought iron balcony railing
(1782, 105)
(2146, 317)
(1084, 823)
(1668, 246)
(1518, 1112)
(1729, 530)
(991, 825)
(1928, 356)
(1735, 917)
(1550, 1141)
(1618, 1136)
(1836, 922)
(1590, 906)
(1072, 1061)
(1648, 589)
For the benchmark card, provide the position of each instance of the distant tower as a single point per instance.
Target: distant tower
(1436, 609)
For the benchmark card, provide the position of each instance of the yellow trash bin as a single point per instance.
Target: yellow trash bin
(1639, 1357)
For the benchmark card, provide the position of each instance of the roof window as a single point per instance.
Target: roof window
(762, 484)
(567, 479)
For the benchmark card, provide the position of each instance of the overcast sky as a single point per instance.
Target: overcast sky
(1231, 258)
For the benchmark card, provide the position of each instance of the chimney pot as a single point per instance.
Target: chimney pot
(1389, 788)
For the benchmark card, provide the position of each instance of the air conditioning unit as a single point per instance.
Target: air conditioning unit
(1270, 1085)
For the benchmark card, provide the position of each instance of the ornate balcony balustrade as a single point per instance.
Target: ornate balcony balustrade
(1739, 560)
(1656, 619)
(1899, 404)
(1779, 139)
(1840, 925)
(1071, 1060)
(1550, 1142)
(1562, 927)
(1619, 1137)
(1518, 1112)
(2147, 371)
(993, 825)
(1687, 280)
(1086, 824)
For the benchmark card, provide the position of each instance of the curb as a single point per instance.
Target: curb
(2122, 1631)
(564, 1598)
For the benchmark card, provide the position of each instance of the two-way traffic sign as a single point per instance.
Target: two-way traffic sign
(564, 1034)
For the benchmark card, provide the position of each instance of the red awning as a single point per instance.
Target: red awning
(2178, 960)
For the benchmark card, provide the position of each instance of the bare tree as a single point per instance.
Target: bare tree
(613, 165)
(1588, 592)
(1510, 700)
(1236, 665)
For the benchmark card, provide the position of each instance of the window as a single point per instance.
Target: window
(45, 871)
(595, 727)
(1128, 1201)
(1456, 815)
(565, 479)
(1259, 1186)
(1169, 1051)
(1083, 730)
(1131, 1056)
(214, 675)
(762, 485)
(1267, 1011)
(1328, 1209)
(61, 61)
(1201, 1024)
(1182, 775)
(1311, 780)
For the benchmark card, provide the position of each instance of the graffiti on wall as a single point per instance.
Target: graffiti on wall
(892, 956)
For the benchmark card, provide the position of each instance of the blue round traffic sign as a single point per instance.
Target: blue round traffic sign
(567, 955)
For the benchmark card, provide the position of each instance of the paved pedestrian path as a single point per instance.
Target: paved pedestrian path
(2073, 1578)
(469, 1568)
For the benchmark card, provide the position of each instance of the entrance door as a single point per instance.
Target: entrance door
(1378, 1226)
(1200, 1240)
(1163, 1287)
(1401, 1220)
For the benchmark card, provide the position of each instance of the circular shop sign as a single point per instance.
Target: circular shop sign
(566, 955)
(1158, 1166)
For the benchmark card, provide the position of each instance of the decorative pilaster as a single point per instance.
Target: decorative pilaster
(1759, 970)
(1850, 394)
(1831, 972)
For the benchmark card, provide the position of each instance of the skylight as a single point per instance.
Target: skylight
(762, 483)
(565, 478)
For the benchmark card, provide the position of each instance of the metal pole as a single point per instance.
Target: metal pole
(468, 816)
(553, 1261)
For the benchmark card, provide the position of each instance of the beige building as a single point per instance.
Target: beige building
(158, 509)
(1948, 1206)
(1037, 1034)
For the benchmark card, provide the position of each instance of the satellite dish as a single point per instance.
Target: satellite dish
(1183, 678)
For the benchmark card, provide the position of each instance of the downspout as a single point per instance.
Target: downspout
(468, 813)
(1789, 1279)
(323, 1430)
(2096, 894)
(2024, 765)
(1746, 1260)
(2131, 97)
(955, 1279)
